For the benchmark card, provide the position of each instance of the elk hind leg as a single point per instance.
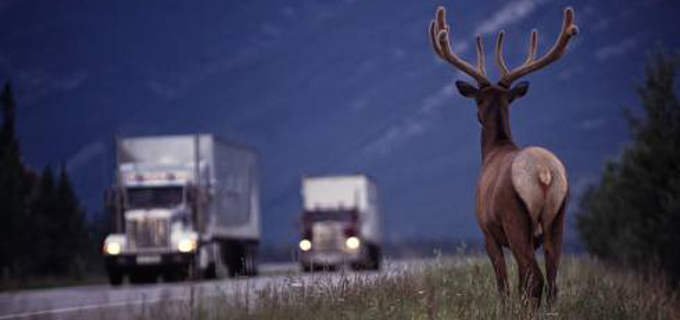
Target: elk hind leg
(552, 248)
(495, 252)
(530, 276)
(521, 241)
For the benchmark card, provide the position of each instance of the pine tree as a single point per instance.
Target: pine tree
(44, 230)
(12, 209)
(7, 134)
(25, 204)
(633, 215)
(73, 238)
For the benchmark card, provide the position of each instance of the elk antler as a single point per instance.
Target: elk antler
(439, 35)
(569, 30)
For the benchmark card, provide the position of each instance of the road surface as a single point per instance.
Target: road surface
(159, 299)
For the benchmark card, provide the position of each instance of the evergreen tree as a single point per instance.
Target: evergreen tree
(12, 209)
(73, 238)
(44, 228)
(8, 118)
(633, 215)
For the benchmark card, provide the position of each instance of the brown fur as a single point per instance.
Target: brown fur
(521, 192)
(521, 195)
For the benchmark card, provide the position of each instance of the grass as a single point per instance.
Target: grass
(461, 288)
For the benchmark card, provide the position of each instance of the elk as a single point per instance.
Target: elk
(521, 192)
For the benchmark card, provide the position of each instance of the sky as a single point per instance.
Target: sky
(324, 87)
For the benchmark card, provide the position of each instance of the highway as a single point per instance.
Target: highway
(159, 299)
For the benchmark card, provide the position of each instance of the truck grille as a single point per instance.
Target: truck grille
(148, 233)
(327, 237)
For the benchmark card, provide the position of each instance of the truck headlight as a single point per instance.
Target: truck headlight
(113, 248)
(352, 243)
(186, 245)
(305, 245)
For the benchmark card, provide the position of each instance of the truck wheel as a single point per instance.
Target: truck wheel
(250, 261)
(221, 268)
(251, 266)
(115, 278)
(216, 270)
(234, 258)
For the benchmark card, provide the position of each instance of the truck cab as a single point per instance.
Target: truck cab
(183, 206)
(339, 223)
(331, 238)
(159, 234)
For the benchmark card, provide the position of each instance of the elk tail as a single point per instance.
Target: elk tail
(545, 178)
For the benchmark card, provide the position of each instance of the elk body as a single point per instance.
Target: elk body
(521, 192)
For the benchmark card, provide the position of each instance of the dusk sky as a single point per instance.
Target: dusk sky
(324, 87)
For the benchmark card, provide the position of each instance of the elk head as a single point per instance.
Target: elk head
(493, 100)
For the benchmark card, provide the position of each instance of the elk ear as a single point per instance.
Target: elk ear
(466, 90)
(519, 90)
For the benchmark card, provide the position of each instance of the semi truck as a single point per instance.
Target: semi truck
(340, 223)
(182, 206)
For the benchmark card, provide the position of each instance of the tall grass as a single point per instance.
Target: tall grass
(450, 289)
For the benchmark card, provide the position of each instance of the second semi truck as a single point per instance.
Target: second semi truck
(182, 206)
(340, 223)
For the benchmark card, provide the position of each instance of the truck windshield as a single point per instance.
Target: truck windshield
(154, 197)
(318, 216)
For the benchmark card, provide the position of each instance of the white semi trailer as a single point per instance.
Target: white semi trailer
(182, 206)
(340, 223)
